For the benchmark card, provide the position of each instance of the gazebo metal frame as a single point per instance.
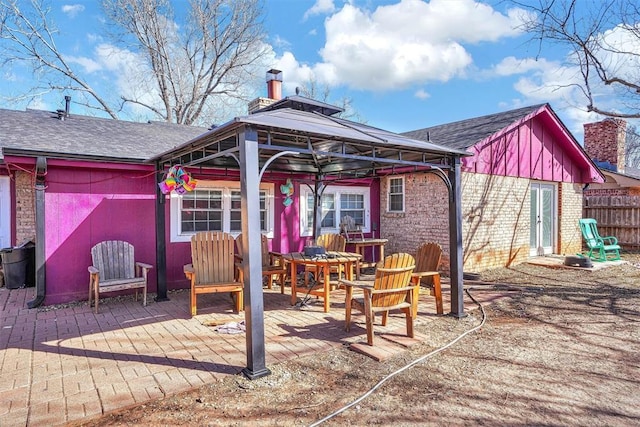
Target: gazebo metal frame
(300, 136)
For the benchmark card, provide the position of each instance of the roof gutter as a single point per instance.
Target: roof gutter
(6, 151)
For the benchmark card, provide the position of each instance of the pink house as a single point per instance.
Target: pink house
(73, 181)
(521, 190)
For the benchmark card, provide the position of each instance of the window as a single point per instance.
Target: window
(396, 194)
(337, 202)
(216, 206)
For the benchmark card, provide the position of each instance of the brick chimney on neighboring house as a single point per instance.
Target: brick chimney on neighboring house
(604, 142)
(274, 91)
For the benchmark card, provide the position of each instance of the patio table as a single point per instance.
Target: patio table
(322, 263)
(359, 247)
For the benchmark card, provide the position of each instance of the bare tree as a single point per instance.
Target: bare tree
(312, 89)
(184, 68)
(28, 37)
(632, 145)
(208, 57)
(604, 42)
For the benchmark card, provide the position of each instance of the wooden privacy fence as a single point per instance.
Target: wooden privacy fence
(617, 216)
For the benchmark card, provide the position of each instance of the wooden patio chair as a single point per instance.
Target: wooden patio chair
(213, 267)
(331, 242)
(390, 290)
(428, 258)
(272, 263)
(350, 229)
(115, 269)
(600, 248)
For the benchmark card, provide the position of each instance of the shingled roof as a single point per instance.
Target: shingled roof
(37, 132)
(466, 133)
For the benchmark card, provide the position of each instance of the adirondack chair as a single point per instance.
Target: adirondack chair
(272, 263)
(330, 242)
(391, 290)
(115, 269)
(213, 267)
(600, 248)
(426, 272)
(350, 229)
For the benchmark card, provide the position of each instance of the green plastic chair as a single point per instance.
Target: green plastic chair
(600, 248)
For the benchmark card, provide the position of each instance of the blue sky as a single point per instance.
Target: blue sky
(404, 64)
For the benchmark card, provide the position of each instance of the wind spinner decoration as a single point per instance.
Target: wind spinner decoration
(177, 180)
(287, 190)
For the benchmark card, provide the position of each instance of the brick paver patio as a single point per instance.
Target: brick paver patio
(64, 364)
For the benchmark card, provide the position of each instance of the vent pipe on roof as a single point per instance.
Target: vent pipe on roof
(274, 84)
(67, 103)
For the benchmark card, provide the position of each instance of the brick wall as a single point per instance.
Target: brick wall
(495, 219)
(495, 213)
(426, 215)
(25, 207)
(604, 141)
(495, 224)
(570, 211)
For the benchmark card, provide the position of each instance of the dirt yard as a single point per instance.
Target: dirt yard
(562, 349)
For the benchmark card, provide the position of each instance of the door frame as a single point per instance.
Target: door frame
(5, 212)
(541, 187)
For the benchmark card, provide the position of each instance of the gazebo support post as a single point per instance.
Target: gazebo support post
(455, 239)
(252, 258)
(161, 242)
(317, 207)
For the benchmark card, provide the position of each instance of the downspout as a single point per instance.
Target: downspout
(40, 263)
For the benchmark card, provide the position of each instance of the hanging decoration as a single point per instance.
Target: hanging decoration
(178, 180)
(287, 190)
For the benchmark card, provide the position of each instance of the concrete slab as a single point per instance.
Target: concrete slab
(557, 261)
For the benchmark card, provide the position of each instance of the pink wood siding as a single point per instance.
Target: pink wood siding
(86, 206)
(86, 203)
(537, 148)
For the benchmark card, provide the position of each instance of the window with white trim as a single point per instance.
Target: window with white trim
(395, 194)
(336, 203)
(216, 206)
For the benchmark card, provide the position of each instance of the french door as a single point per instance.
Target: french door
(543, 218)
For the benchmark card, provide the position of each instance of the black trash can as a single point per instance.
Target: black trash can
(18, 265)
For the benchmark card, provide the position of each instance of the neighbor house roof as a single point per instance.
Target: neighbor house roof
(615, 180)
(37, 132)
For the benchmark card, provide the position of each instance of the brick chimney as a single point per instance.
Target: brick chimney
(274, 91)
(604, 142)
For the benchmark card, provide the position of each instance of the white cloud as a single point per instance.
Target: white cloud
(511, 66)
(93, 38)
(408, 43)
(422, 94)
(89, 65)
(320, 7)
(297, 74)
(280, 42)
(72, 10)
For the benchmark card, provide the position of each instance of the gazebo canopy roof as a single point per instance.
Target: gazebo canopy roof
(310, 141)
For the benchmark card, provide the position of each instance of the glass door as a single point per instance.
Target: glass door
(543, 219)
